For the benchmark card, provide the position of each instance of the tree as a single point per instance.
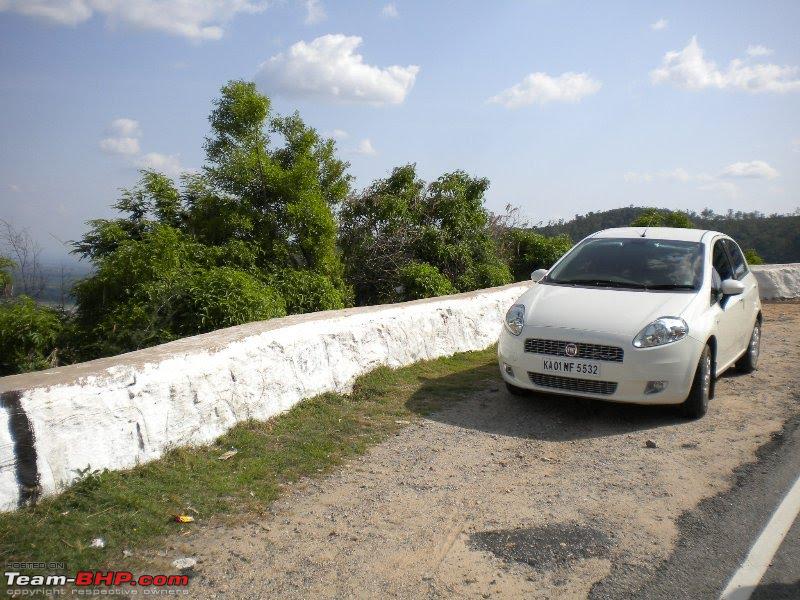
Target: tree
(251, 236)
(403, 239)
(21, 249)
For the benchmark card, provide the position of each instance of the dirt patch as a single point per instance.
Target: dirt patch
(403, 520)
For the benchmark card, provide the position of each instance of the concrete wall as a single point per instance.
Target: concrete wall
(117, 412)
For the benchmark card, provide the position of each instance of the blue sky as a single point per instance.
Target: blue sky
(565, 106)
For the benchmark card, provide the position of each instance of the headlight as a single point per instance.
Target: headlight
(663, 330)
(515, 319)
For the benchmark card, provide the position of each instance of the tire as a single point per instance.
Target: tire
(696, 404)
(516, 390)
(749, 361)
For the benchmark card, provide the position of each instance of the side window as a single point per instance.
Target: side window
(737, 259)
(721, 262)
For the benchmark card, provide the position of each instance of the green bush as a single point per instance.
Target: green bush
(223, 297)
(421, 280)
(752, 257)
(306, 291)
(30, 336)
(485, 275)
(655, 217)
(6, 265)
(529, 251)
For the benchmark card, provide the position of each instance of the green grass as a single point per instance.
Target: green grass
(133, 509)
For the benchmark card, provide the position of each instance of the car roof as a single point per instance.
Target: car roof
(658, 233)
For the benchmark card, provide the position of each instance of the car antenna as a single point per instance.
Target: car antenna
(644, 232)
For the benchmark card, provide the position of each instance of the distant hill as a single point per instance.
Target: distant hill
(775, 237)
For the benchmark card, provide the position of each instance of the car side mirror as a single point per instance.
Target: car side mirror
(538, 275)
(732, 287)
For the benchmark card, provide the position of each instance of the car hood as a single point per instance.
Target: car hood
(608, 310)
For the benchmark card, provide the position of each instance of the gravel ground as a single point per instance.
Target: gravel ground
(505, 496)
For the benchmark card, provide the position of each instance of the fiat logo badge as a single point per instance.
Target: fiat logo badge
(571, 349)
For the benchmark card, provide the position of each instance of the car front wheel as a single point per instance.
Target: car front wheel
(749, 361)
(696, 404)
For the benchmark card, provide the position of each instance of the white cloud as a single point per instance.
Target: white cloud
(796, 144)
(542, 88)
(659, 25)
(337, 134)
(726, 187)
(14, 187)
(390, 11)
(123, 138)
(634, 177)
(679, 175)
(365, 147)
(689, 69)
(193, 19)
(128, 146)
(329, 68)
(125, 127)
(169, 164)
(315, 12)
(754, 169)
(124, 141)
(61, 12)
(759, 50)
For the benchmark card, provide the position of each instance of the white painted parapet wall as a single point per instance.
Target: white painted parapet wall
(117, 412)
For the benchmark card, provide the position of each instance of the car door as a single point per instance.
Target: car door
(749, 300)
(728, 309)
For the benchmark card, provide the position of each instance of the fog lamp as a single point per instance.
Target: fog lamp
(654, 387)
(508, 369)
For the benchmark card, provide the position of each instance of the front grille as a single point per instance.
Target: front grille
(586, 351)
(571, 384)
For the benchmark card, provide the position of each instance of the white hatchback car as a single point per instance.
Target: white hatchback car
(642, 315)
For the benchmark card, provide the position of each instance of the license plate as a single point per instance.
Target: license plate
(577, 368)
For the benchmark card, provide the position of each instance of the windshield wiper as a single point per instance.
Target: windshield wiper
(671, 286)
(602, 283)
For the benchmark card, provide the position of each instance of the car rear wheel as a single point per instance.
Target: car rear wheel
(749, 361)
(696, 404)
(516, 390)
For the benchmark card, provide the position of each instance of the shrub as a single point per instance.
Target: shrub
(30, 335)
(223, 297)
(485, 275)
(421, 280)
(306, 291)
(752, 257)
(529, 251)
(655, 217)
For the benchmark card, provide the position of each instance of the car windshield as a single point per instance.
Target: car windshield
(635, 263)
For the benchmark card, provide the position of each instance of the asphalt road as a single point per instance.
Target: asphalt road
(716, 536)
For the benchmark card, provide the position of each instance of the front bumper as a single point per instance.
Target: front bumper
(674, 363)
